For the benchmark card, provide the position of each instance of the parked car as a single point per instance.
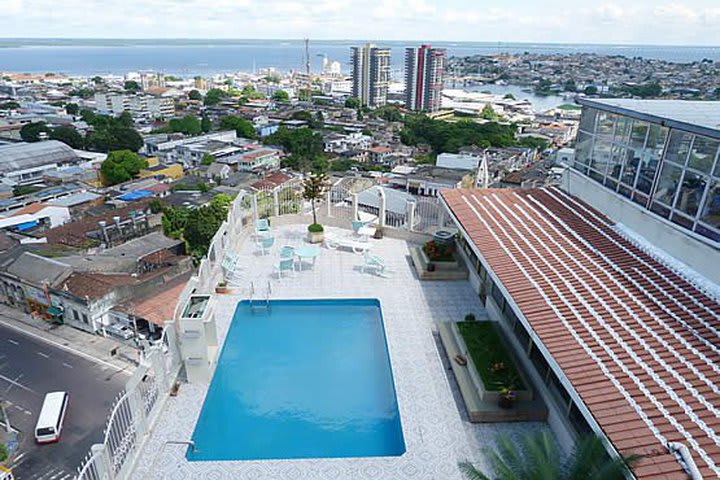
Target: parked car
(120, 331)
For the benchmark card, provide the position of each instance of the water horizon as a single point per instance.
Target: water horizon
(194, 56)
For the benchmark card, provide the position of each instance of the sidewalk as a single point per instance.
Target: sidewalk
(88, 345)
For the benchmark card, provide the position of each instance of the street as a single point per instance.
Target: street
(31, 366)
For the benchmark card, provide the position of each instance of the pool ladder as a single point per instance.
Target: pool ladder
(264, 304)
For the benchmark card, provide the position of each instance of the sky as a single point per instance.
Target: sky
(662, 22)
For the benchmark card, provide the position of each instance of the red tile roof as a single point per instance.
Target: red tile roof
(638, 342)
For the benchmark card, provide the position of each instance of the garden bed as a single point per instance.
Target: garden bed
(492, 360)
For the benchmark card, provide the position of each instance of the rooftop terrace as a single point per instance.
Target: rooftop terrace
(436, 432)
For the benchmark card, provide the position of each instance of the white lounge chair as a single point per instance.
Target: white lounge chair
(374, 263)
(356, 244)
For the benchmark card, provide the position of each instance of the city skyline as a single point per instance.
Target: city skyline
(688, 22)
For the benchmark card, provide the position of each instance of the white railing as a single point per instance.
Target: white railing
(134, 412)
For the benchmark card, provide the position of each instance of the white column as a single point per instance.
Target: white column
(381, 194)
(355, 206)
(329, 202)
(276, 204)
(410, 216)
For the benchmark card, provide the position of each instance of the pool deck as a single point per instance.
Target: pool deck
(436, 430)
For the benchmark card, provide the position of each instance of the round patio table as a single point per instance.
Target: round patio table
(307, 252)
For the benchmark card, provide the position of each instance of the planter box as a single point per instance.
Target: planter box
(316, 237)
(439, 266)
(486, 394)
(443, 270)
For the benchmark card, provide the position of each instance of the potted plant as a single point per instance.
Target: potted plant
(221, 287)
(313, 189)
(507, 398)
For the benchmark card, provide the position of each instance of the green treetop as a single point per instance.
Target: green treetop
(121, 166)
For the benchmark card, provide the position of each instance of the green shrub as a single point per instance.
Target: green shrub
(315, 228)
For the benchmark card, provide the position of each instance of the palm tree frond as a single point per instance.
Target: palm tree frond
(470, 472)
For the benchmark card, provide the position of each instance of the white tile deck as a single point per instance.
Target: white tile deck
(437, 436)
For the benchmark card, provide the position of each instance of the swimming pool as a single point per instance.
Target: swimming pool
(307, 379)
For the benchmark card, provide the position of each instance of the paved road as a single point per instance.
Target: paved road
(30, 367)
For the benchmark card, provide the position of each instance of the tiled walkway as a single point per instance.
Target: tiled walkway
(436, 435)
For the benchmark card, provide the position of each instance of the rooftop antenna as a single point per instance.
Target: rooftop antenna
(308, 87)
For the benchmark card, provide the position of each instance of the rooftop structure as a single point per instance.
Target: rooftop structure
(27, 162)
(626, 343)
(636, 159)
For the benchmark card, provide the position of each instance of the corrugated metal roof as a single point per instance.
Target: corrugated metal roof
(21, 156)
(639, 343)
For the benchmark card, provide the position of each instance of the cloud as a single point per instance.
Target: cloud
(608, 21)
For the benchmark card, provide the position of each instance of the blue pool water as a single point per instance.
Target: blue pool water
(309, 379)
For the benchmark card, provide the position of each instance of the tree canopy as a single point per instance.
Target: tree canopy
(196, 226)
(215, 96)
(121, 166)
(314, 187)
(538, 457)
(205, 124)
(69, 136)
(242, 127)
(304, 146)
(352, 102)
(11, 105)
(30, 132)
(189, 125)
(450, 137)
(112, 133)
(195, 95)
(132, 86)
(72, 108)
(281, 96)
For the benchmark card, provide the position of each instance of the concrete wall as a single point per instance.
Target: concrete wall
(672, 239)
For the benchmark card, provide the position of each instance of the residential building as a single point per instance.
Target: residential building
(424, 77)
(370, 74)
(140, 106)
(37, 215)
(643, 160)
(429, 180)
(462, 161)
(174, 171)
(339, 143)
(260, 159)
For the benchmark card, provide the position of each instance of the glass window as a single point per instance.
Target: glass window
(682, 220)
(497, 296)
(587, 120)
(638, 134)
(622, 129)
(660, 209)
(605, 125)
(600, 155)
(539, 361)
(702, 155)
(678, 147)
(691, 192)
(631, 166)
(578, 421)
(711, 233)
(583, 148)
(656, 140)
(522, 335)
(710, 213)
(617, 157)
(667, 183)
(648, 167)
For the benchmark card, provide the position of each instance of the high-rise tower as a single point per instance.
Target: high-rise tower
(424, 75)
(371, 74)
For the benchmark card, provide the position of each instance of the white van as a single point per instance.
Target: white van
(52, 415)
